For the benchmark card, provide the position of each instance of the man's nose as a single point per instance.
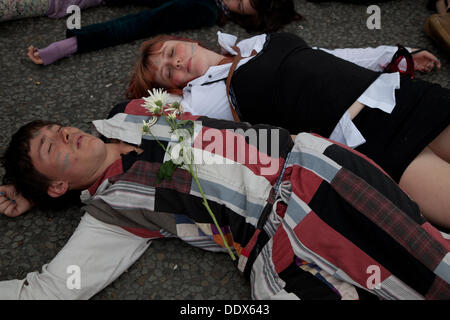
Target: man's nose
(65, 135)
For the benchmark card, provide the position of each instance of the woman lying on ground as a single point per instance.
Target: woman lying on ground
(306, 217)
(164, 17)
(402, 124)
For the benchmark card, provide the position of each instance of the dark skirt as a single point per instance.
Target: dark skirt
(394, 140)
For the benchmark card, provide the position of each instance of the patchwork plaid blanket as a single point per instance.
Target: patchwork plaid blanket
(309, 218)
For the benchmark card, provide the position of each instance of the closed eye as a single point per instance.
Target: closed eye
(50, 147)
(168, 72)
(51, 144)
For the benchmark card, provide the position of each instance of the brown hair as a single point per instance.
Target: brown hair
(20, 171)
(142, 78)
(271, 15)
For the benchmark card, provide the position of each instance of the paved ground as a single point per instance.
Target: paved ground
(84, 87)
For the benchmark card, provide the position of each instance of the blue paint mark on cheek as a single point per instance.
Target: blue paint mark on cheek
(66, 163)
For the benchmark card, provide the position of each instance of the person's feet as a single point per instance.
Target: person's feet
(34, 56)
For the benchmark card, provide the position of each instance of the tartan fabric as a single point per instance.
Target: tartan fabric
(328, 228)
(309, 230)
(390, 218)
(144, 172)
(351, 160)
(439, 290)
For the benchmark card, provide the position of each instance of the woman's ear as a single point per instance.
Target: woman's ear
(57, 188)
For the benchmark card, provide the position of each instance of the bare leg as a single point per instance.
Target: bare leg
(427, 181)
(441, 145)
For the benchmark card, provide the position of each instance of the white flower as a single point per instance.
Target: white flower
(156, 99)
(175, 152)
(146, 125)
(176, 106)
(183, 136)
(172, 115)
(181, 154)
(155, 110)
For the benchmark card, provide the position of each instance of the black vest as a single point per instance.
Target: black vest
(290, 85)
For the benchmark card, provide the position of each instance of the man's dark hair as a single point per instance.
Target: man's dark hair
(271, 15)
(20, 172)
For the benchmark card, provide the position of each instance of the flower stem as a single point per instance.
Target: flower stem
(205, 203)
(192, 168)
(162, 146)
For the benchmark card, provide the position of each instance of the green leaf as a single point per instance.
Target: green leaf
(166, 171)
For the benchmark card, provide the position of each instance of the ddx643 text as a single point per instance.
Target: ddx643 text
(227, 309)
(246, 309)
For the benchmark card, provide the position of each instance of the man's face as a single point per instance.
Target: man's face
(179, 62)
(67, 154)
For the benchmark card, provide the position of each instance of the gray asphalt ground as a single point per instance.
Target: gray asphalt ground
(84, 87)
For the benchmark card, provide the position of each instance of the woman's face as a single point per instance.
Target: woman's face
(240, 7)
(179, 62)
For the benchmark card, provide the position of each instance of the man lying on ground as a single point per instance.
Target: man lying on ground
(306, 217)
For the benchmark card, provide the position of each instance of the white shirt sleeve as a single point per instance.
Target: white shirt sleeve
(96, 252)
(371, 58)
(346, 132)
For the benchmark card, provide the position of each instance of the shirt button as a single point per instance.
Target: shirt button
(210, 76)
(190, 85)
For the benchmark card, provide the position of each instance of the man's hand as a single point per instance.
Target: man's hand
(12, 204)
(425, 61)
